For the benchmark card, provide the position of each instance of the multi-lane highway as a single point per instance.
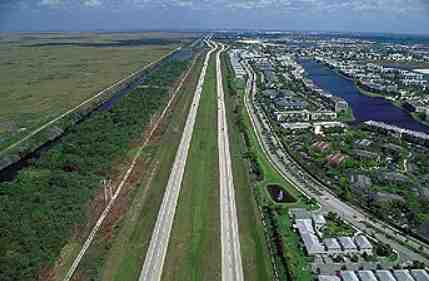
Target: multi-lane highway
(232, 269)
(155, 256)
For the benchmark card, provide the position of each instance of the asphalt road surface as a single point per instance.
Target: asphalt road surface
(232, 268)
(155, 256)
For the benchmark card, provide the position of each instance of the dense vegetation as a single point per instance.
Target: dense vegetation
(39, 210)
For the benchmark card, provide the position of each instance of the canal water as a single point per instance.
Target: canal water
(9, 173)
(364, 107)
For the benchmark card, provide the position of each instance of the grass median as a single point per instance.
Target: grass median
(194, 249)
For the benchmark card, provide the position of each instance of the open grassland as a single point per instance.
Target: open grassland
(55, 198)
(194, 249)
(255, 256)
(42, 76)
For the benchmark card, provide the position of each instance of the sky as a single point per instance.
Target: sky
(392, 16)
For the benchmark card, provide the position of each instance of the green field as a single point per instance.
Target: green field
(42, 76)
(194, 249)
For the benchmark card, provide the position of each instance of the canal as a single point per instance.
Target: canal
(364, 107)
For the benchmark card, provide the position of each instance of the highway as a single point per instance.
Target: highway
(307, 185)
(232, 268)
(155, 256)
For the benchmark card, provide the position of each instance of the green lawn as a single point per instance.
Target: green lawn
(298, 263)
(194, 251)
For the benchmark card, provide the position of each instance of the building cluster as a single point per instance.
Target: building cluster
(236, 65)
(393, 83)
(418, 137)
(309, 229)
(378, 275)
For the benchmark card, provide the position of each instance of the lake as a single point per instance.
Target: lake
(364, 107)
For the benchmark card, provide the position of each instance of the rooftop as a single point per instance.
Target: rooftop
(312, 243)
(420, 274)
(328, 278)
(367, 275)
(349, 276)
(385, 275)
(362, 242)
(347, 243)
(332, 244)
(304, 225)
(403, 275)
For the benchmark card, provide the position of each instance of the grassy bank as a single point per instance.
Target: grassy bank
(194, 249)
(367, 93)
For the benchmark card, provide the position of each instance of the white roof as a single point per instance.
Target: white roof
(349, 276)
(362, 242)
(332, 244)
(403, 275)
(347, 243)
(312, 244)
(385, 275)
(304, 225)
(319, 219)
(367, 275)
(420, 275)
(328, 278)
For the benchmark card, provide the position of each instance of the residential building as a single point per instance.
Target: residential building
(367, 275)
(319, 221)
(385, 275)
(304, 225)
(420, 274)
(348, 276)
(363, 244)
(323, 116)
(403, 275)
(336, 159)
(360, 183)
(332, 246)
(328, 278)
(365, 155)
(341, 105)
(347, 244)
(312, 244)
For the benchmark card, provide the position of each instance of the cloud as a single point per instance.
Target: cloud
(92, 3)
(51, 3)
